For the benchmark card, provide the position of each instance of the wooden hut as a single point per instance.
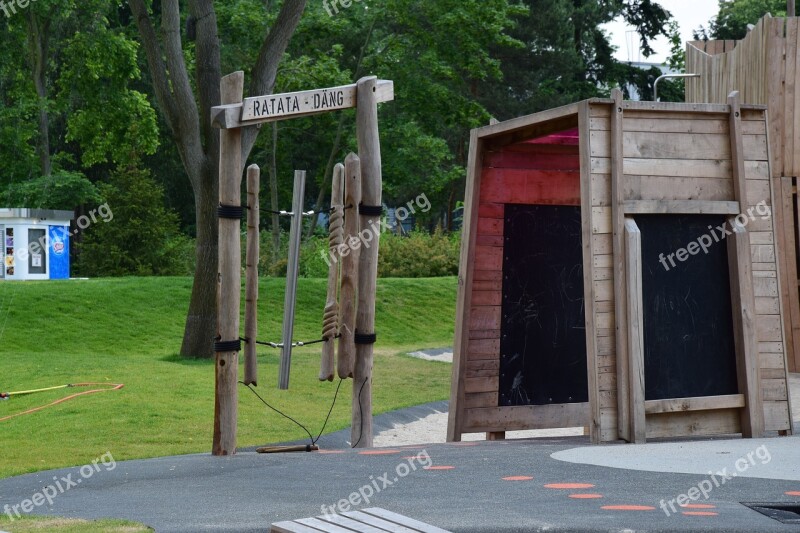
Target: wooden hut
(606, 282)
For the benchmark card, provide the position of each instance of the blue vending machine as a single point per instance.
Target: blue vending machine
(58, 239)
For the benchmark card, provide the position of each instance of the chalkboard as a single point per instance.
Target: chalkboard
(543, 332)
(688, 324)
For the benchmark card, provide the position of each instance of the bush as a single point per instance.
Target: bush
(417, 255)
(142, 238)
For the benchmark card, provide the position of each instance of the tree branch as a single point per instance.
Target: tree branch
(269, 57)
(188, 122)
(158, 70)
(208, 70)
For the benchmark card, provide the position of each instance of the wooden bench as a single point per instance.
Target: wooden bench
(372, 520)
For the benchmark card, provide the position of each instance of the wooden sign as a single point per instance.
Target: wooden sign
(271, 107)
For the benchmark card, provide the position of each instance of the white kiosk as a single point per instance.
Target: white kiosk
(36, 243)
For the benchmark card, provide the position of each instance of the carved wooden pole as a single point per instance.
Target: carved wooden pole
(251, 276)
(369, 150)
(349, 255)
(330, 319)
(229, 280)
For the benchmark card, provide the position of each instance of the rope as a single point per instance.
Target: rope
(310, 436)
(361, 413)
(113, 387)
(294, 344)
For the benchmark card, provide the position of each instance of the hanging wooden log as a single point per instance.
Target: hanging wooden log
(369, 150)
(330, 320)
(348, 253)
(251, 276)
(295, 232)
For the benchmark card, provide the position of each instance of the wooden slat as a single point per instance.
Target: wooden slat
(742, 293)
(775, 93)
(721, 421)
(323, 526)
(696, 207)
(466, 270)
(481, 399)
(701, 403)
(292, 527)
(348, 524)
(635, 332)
(789, 90)
(524, 417)
(590, 243)
(403, 520)
(380, 523)
(791, 234)
(695, 189)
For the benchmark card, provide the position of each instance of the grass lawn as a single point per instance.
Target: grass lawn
(129, 331)
(37, 524)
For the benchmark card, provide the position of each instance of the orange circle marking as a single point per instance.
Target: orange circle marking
(517, 478)
(628, 508)
(700, 513)
(698, 506)
(378, 452)
(792, 492)
(569, 486)
(330, 451)
(586, 496)
(440, 467)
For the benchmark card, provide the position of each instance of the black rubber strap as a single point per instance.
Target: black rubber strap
(370, 210)
(230, 211)
(228, 346)
(365, 338)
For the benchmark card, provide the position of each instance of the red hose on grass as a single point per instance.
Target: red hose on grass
(109, 387)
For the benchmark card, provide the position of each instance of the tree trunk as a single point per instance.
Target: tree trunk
(201, 320)
(38, 40)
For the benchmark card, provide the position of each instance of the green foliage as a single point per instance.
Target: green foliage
(111, 122)
(734, 16)
(61, 190)
(419, 255)
(142, 238)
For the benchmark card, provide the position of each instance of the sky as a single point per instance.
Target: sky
(690, 14)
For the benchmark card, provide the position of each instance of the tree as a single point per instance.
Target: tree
(567, 56)
(734, 16)
(186, 105)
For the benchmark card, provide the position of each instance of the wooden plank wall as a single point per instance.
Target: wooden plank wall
(764, 68)
(685, 155)
(524, 173)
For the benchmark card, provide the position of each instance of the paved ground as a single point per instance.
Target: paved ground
(464, 491)
(547, 484)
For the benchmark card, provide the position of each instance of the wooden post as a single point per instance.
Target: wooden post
(349, 256)
(229, 280)
(291, 277)
(330, 319)
(635, 317)
(620, 284)
(251, 278)
(742, 295)
(369, 150)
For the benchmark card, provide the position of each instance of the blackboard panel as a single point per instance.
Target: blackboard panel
(688, 324)
(543, 332)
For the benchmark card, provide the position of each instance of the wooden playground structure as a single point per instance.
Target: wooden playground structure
(359, 182)
(765, 68)
(572, 310)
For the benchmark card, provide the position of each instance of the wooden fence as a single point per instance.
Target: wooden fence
(764, 67)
